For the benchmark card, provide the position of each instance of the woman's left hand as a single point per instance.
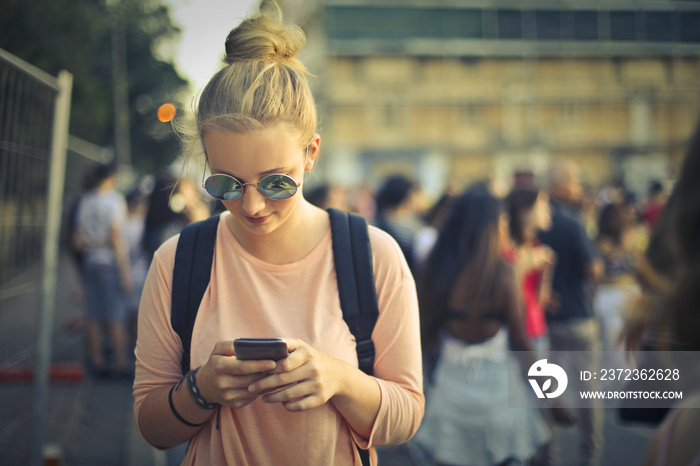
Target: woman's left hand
(305, 379)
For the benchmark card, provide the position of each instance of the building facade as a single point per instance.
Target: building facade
(456, 91)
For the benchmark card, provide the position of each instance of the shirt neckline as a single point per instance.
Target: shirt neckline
(316, 253)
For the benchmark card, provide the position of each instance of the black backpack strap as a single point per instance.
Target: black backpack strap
(352, 254)
(358, 296)
(191, 275)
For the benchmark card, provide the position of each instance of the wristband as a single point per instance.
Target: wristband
(177, 415)
(194, 391)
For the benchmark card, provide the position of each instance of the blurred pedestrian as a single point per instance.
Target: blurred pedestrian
(648, 326)
(397, 213)
(656, 200)
(432, 221)
(574, 333)
(139, 259)
(619, 247)
(470, 306)
(638, 232)
(434, 218)
(361, 201)
(173, 204)
(529, 213)
(107, 276)
(88, 183)
(325, 196)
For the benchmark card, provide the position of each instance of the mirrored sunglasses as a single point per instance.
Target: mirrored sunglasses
(276, 187)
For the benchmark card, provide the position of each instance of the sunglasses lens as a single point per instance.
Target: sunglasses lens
(278, 187)
(223, 187)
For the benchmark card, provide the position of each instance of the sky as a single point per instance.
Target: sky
(205, 25)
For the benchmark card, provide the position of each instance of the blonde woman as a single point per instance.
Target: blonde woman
(273, 276)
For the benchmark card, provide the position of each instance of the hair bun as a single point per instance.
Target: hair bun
(264, 36)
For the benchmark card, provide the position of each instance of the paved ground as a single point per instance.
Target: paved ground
(91, 421)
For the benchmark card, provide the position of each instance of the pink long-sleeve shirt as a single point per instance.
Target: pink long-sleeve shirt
(251, 298)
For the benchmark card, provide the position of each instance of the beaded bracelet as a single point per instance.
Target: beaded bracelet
(177, 415)
(194, 391)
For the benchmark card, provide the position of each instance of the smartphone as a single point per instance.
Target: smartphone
(260, 348)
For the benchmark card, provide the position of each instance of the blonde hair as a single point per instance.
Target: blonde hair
(262, 82)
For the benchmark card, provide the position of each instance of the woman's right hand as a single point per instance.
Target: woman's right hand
(225, 379)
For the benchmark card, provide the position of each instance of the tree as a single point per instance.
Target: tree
(77, 36)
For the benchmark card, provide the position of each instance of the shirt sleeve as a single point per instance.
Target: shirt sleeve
(158, 348)
(118, 212)
(396, 336)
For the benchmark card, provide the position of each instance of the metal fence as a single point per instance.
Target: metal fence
(34, 114)
(26, 121)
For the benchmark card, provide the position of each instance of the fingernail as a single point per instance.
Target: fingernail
(251, 387)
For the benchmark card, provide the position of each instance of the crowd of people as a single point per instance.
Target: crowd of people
(583, 261)
(581, 265)
(484, 283)
(496, 273)
(112, 237)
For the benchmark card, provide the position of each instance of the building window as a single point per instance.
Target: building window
(660, 27)
(489, 21)
(394, 24)
(623, 26)
(547, 25)
(690, 26)
(510, 24)
(465, 24)
(584, 25)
